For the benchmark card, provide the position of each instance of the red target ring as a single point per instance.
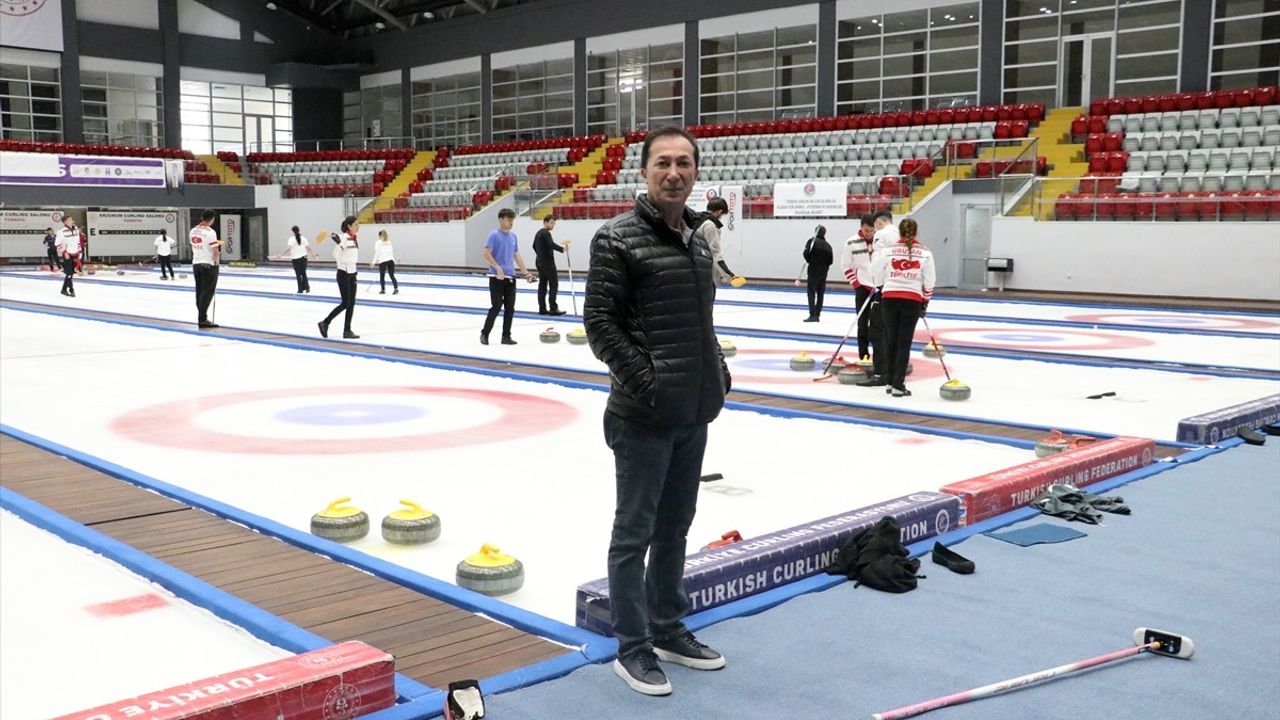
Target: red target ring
(174, 424)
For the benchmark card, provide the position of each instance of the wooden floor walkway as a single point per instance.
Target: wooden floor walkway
(433, 642)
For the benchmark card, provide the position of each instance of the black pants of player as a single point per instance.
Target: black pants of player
(300, 272)
(347, 291)
(548, 285)
(656, 472)
(385, 268)
(69, 272)
(870, 328)
(54, 262)
(502, 296)
(900, 317)
(166, 266)
(206, 285)
(816, 291)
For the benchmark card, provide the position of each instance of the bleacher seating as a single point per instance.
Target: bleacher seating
(1190, 156)
(329, 173)
(878, 156)
(95, 149)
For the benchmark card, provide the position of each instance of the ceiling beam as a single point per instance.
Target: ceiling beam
(379, 11)
(479, 5)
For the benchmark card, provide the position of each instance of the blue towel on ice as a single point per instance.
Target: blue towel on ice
(1036, 534)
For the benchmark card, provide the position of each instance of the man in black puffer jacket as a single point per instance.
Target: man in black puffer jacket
(648, 317)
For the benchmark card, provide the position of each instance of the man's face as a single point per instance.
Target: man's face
(881, 223)
(550, 224)
(670, 172)
(505, 223)
(867, 231)
(68, 222)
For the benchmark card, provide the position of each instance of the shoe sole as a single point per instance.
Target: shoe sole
(694, 663)
(642, 688)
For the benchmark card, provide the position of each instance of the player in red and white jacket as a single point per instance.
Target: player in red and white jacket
(905, 274)
(855, 261)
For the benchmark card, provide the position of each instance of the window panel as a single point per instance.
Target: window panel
(1146, 87)
(1026, 8)
(1233, 81)
(1031, 29)
(1236, 8)
(1250, 30)
(947, 38)
(1150, 15)
(1248, 57)
(1102, 21)
(1031, 76)
(953, 83)
(903, 87)
(904, 65)
(954, 60)
(1028, 53)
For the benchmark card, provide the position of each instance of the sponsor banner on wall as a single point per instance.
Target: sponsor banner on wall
(810, 199)
(229, 234)
(35, 24)
(118, 234)
(73, 170)
(22, 231)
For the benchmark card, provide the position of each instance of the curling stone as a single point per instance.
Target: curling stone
(119, 271)
(91, 270)
(341, 524)
(1054, 442)
(953, 390)
(910, 368)
(851, 374)
(549, 336)
(802, 362)
(729, 538)
(490, 572)
(934, 350)
(738, 281)
(182, 276)
(835, 364)
(866, 364)
(728, 349)
(577, 336)
(411, 526)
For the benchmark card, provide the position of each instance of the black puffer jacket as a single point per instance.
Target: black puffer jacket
(648, 317)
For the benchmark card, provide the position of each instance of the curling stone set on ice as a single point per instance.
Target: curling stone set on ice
(489, 571)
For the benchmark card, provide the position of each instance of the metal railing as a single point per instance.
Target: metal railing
(1107, 199)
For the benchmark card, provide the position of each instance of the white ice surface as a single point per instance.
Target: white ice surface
(57, 657)
(1148, 402)
(545, 497)
(1084, 340)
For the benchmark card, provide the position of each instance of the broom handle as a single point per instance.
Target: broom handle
(1006, 685)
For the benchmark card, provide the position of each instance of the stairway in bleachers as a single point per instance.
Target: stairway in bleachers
(398, 185)
(216, 166)
(1066, 161)
(587, 169)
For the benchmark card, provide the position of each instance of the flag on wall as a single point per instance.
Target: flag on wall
(35, 24)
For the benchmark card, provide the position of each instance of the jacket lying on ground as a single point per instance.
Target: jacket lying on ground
(648, 315)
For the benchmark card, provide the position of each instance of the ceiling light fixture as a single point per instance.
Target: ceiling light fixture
(271, 6)
(380, 25)
(429, 15)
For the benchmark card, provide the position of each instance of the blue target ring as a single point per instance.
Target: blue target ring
(776, 364)
(340, 414)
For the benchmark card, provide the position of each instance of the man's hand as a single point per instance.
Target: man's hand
(500, 275)
(528, 276)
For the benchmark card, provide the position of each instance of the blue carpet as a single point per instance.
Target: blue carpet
(1199, 556)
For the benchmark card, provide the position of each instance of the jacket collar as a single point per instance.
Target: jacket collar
(648, 212)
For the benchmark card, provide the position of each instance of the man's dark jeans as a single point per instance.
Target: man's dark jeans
(658, 470)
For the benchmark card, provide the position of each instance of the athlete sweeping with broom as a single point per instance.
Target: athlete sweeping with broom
(905, 274)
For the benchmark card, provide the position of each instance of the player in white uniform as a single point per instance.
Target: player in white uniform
(67, 244)
(205, 256)
(385, 260)
(346, 254)
(164, 251)
(298, 250)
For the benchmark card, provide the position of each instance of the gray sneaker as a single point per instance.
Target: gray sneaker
(641, 672)
(687, 651)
